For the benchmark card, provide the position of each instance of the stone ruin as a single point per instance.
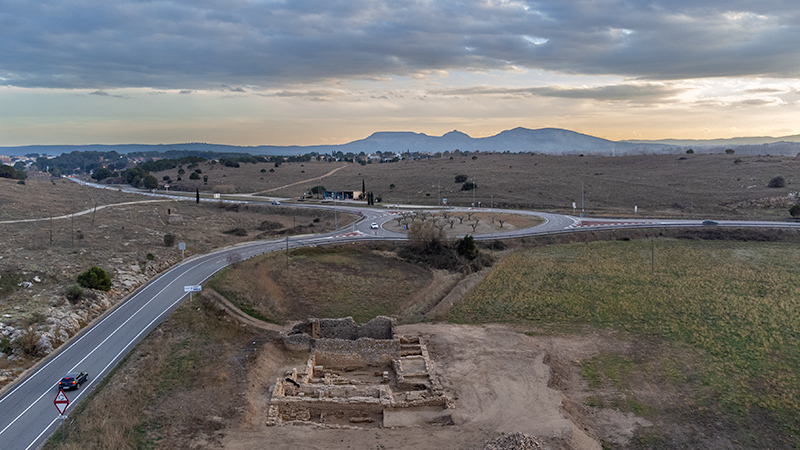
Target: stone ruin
(358, 376)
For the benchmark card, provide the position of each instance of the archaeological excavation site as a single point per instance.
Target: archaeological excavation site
(358, 376)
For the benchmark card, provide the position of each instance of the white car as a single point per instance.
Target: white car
(374, 226)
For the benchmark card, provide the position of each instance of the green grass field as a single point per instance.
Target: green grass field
(736, 305)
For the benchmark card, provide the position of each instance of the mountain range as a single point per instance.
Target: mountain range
(554, 141)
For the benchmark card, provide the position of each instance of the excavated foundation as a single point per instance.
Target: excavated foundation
(358, 376)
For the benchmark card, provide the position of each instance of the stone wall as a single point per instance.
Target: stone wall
(358, 353)
(344, 343)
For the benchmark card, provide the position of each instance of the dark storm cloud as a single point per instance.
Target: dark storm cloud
(200, 44)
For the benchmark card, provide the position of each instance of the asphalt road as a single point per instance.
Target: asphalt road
(27, 413)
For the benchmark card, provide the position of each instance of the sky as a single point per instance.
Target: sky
(306, 72)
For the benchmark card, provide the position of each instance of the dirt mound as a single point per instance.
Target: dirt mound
(516, 441)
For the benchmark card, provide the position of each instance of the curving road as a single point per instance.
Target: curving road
(27, 414)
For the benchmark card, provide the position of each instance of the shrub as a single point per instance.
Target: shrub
(95, 278)
(150, 257)
(689, 152)
(28, 342)
(270, 225)
(465, 247)
(737, 161)
(263, 170)
(468, 186)
(169, 240)
(461, 178)
(729, 151)
(236, 232)
(74, 293)
(21, 182)
(777, 182)
(795, 211)
(194, 176)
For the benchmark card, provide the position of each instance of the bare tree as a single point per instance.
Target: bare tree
(452, 222)
(469, 215)
(460, 219)
(501, 222)
(474, 226)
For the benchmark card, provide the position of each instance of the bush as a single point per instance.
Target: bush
(95, 278)
(236, 232)
(795, 211)
(150, 256)
(729, 151)
(28, 342)
(689, 152)
(468, 186)
(268, 225)
(777, 182)
(461, 178)
(194, 176)
(169, 240)
(737, 161)
(74, 293)
(465, 247)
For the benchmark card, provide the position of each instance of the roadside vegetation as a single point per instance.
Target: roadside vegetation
(180, 385)
(731, 310)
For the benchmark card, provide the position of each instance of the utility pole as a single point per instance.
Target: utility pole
(581, 198)
(473, 194)
(72, 231)
(94, 213)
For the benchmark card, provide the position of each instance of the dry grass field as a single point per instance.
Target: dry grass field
(125, 239)
(317, 282)
(700, 354)
(717, 186)
(718, 321)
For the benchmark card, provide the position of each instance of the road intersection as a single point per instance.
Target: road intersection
(27, 414)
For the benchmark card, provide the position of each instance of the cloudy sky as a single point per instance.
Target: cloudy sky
(250, 72)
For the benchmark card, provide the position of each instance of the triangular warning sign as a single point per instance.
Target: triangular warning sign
(61, 401)
(61, 397)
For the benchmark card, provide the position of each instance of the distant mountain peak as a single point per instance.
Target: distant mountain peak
(456, 134)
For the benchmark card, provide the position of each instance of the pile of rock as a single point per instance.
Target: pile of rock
(516, 441)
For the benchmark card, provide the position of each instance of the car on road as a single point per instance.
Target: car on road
(709, 222)
(73, 380)
(275, 202)
(374, 226)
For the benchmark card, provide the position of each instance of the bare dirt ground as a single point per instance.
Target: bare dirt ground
(462, 223)
(497, 377)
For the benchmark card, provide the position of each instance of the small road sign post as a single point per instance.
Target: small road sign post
(182, 248)
(61, 401)
(191, 289)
